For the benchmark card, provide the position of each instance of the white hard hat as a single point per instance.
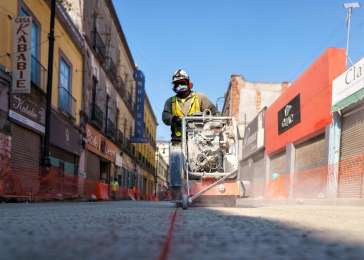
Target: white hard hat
(180, 74)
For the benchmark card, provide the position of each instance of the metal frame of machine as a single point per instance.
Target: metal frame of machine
(220, 176)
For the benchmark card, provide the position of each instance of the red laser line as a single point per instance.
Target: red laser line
(167, 243)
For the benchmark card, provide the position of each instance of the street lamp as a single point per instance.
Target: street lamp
(46, 140)
(349, 7)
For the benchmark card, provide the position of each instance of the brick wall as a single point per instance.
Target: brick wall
(245, 99)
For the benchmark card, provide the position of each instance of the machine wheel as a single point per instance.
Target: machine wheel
(184, 201)
(178, 204)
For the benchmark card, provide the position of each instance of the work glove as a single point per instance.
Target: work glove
(177, 121)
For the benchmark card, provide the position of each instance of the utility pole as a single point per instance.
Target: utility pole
(45, 159)
(349, 7)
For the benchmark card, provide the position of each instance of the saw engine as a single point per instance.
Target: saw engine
(209, 145)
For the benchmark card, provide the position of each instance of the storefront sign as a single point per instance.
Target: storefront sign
(348, 87)
(139, 108)
(254, 135)
(64, 135)
(28, 110)
(22, 54)
(97, 143)
(289, 115)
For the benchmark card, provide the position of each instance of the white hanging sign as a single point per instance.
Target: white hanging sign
(21, 56)
(347, 84)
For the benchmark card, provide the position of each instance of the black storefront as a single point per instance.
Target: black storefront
(66, 144)
(27, 116)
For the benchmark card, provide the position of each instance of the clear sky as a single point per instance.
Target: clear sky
(262, 40)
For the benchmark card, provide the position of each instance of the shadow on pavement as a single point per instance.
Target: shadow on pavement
(203, 233)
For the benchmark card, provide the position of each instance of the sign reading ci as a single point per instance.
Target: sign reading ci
(289, 115)
(348, 84)
(22, 54)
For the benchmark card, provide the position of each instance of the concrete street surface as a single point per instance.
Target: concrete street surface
(138, 230)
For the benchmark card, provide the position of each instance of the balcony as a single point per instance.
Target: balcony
(38, 75)
(121, 86)
(129, 101)
(99, 46)
(111, 69)
(128, 145)
(110, 129)
(97, 116)
(120, 140)
(67, 103)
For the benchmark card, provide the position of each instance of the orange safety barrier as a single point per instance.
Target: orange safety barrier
(351, 178)
(19, 183)
(137, 194)
(124, 192)
(89, 189)
(311, 183)
(54, 184)
(58, 185)
(279, 188)
(102, 191)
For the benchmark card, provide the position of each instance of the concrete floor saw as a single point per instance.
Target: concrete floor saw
(206, 161)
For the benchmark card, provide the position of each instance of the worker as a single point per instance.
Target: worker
(185, 103)
(114, 188)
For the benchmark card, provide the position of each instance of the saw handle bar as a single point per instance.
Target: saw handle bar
(198, 194)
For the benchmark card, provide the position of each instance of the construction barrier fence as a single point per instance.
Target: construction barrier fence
(313, 183)
(47, 184)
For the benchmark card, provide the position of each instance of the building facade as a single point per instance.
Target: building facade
(162, 165)
(93, 105)
(23, 115)
(109, 95)
(145, 153)
(163, 149)
(346, 167)
(297, 131)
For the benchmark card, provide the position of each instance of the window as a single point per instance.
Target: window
(65, 97)
(35, 64)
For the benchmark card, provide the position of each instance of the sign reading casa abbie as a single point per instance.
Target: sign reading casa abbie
(22, 54)
(348, 87)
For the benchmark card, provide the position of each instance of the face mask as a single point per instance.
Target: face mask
(180, 88)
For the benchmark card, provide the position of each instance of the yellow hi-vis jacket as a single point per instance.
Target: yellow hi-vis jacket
(114, 186)
(177, 111)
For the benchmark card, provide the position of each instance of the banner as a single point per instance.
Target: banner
(22, 54)
(139, 108)
(254, 135)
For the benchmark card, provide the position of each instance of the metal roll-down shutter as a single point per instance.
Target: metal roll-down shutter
(25, 152)
(351, 155)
